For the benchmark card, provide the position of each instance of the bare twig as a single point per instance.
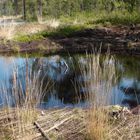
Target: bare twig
(41, 130)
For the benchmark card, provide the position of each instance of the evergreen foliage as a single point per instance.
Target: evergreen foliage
(32, 9)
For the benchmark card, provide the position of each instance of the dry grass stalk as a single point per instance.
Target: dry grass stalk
(98, 125)
(100, 72)
(25, 101)
(7, 30)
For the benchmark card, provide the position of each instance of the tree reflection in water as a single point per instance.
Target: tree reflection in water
(64, 76)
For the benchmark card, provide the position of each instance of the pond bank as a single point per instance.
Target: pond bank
(116, 39)
(51, 124)
(65, 123)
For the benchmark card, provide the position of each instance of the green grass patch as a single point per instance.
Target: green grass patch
(117, 18)
(64, 31)
(28, 38)
(102, 18)
(81, 21)
(80, 18)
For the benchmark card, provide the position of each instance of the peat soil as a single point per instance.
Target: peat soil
(116, 39)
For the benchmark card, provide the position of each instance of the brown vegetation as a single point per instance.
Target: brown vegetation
(125, 40)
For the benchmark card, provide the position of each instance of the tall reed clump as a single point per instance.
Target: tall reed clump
(7, 29)
(21, 103)
(100, 77)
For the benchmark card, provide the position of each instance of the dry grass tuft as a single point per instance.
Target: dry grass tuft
(25, 99)
(7, 31)
(98, 125)
(53, 23)
(100, 72)
(10, 28)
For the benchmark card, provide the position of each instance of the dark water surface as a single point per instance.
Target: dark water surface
(63, 71)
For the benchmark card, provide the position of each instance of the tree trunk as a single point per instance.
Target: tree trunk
(16, 7)
(39, 8)
(24, 9)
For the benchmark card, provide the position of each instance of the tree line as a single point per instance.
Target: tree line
(31, 9)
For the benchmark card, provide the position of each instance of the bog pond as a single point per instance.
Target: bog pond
(62, 75)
